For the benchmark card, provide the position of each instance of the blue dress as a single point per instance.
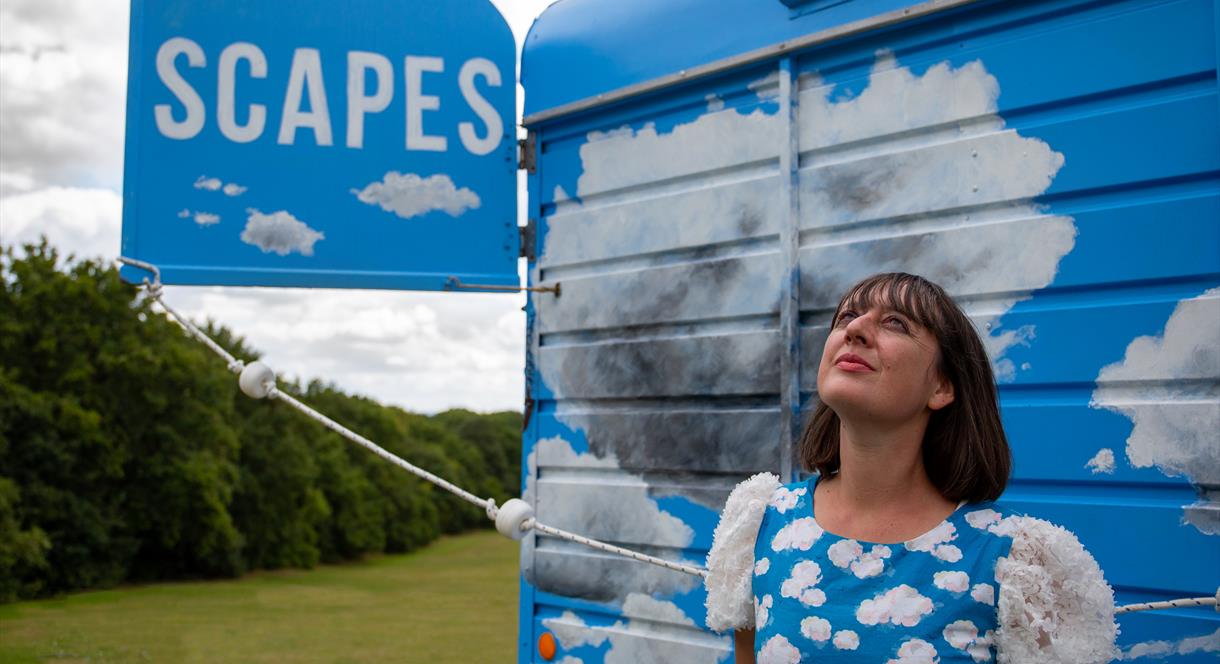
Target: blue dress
(819, 597)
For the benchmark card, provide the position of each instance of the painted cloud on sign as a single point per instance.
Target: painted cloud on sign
(279, 232)
(201, 218)
(208, 184)
(1174, 428)
(408, 195)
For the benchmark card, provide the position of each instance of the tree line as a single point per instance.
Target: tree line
(127, 453)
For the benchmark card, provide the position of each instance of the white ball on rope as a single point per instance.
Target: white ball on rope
(511, 515)
(256, 380)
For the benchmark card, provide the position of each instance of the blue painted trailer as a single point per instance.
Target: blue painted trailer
(707, 178)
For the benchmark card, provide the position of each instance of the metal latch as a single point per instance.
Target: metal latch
(527, 157)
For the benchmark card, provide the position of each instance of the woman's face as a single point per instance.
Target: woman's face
(880, 365)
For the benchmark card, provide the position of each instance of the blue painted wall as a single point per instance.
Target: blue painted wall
(1056, 165)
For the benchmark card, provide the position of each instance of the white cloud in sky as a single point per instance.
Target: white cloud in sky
(234, 189)
(408, 195)
(280, 232)
(84, 222)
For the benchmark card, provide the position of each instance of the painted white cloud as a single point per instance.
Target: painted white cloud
(408, 195)
(622, 509)
(208, 183)
(849, 554)
(806, 574)
(954, 581)
(778, 650)
(280, 232)
(762, 610)
(234, 189)
(916, 651)
(761, 566)
(628, 636)
(1206, 643)
(1174, 430)
(846, 639)
(206, 218)
(798, 534)
(902, 605)
(936, 542)
(785, 499)
(984, 593)
(815, 629)
(1102, 462)
(983, 162)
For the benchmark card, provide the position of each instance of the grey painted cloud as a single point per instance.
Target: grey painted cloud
(1174, 427)
(616, 507)
(654, 631)
(408, 195)
(280, 232)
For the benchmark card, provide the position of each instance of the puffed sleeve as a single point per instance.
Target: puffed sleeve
(1054, 605)
(730, 563)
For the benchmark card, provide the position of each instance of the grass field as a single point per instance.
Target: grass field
(455, 601)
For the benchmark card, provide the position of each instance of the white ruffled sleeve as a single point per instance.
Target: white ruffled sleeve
(1054, 606)
(730, 563)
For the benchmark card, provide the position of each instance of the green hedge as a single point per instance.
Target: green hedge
(128, 454)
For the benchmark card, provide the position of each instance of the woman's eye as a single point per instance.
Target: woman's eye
(896, 323)
(845, 317)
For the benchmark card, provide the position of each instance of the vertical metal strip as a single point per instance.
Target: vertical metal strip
(789, 242)
(526, 602)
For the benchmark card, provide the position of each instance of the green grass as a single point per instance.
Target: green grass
(454, 601)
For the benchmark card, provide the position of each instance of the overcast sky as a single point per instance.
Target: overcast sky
(63, 77)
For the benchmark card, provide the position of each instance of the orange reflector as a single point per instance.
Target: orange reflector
(546, 646)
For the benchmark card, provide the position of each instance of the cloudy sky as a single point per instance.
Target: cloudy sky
(63, 73)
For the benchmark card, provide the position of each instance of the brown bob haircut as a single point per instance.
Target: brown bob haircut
(965, 451)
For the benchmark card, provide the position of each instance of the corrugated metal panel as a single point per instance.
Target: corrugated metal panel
(1055, 165)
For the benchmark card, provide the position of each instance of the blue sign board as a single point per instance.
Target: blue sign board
(355, 144)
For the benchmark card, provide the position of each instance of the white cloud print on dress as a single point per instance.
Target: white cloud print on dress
(778, 650)
(1174, 427)
(805, 575)
(936, 542)
(954, 582)
(849, 554)
(800, 534)
(408, 195)
(898, 606)
(279, 232)
(784, 499)
(916, 651)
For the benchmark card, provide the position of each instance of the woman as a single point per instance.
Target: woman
(894, 551)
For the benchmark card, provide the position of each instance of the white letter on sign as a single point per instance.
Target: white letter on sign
(306, 72)
(418, 102)
(357, 102)
(190, 100)
(488, 70)
(226, 114)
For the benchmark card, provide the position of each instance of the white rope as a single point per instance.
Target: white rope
(235, 365)
(489, 505)
(1171, 604)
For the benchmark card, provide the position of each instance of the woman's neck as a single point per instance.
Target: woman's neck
(882, 491)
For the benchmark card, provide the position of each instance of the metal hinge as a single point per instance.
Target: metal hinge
(526, 233)
(527, 158)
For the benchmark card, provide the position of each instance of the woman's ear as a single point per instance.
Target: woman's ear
(943, 394)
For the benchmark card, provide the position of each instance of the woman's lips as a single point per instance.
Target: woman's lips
(852, 362)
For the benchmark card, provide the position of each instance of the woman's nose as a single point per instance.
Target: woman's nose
(859, 330)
